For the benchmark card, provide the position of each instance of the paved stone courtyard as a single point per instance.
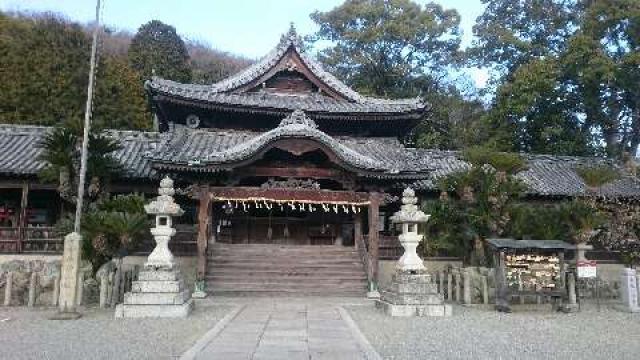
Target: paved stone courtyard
(29, 335)
(321, 328)
(477, 333)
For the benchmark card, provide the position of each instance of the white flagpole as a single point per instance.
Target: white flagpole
(87, 123)
(70, 269)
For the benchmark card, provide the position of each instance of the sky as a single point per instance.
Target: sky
(245, 27)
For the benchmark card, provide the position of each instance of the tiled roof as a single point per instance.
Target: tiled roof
(215, 149)
(545, 176)
(223, 92)
(311, 103)
(19, 146)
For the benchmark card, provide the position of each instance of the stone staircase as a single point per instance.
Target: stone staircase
(257, 269)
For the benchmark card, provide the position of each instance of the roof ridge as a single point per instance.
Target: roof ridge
(290, 39)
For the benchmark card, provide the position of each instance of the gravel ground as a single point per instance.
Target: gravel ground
(28, 334)
(476, 333)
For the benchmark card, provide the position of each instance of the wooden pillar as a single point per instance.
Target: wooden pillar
(374, 220)
(203, 230)
(22, 219)
(357, 230)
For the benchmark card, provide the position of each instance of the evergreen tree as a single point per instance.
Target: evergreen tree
(157, 49)
(44, 66)
(388, 47)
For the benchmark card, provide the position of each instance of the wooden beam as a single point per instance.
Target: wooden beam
(22, 221)
(317, 173)
(203, 230)
(374, 220)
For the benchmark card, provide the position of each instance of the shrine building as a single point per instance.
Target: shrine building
(280, 161)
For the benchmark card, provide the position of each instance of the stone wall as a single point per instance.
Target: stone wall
(46, 267)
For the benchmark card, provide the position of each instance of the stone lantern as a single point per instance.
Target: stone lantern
(164, 208)
(160, 290)
(409, 217)
(412, 292)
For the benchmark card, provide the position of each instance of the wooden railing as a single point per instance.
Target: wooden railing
(30, 240)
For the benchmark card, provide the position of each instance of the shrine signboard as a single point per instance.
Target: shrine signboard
(586, 269)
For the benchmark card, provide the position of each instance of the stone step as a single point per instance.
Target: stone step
(257, 269)
(350, 285)
(286, 280)
(323, 273)
(287, 262)
(270, 249)
(145, 298)
(301, 268)
(154, 311)
(266, 256)
(287, 292)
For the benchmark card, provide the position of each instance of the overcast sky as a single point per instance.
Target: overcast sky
(246, 27)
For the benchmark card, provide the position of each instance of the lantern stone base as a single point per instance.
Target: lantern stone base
(156, 293)
(413, 295)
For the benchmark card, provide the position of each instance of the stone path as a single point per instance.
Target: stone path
(284, 330)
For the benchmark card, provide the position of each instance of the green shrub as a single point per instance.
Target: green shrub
(110, 227)
(507, 162)
(598, 175)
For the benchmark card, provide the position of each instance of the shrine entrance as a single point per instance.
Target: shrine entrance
(285, 216)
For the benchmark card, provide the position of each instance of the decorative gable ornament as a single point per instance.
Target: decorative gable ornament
(298, 117)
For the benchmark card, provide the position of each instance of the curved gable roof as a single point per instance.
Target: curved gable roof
(234, 89)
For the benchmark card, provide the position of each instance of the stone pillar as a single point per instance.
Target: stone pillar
(458, 286)
(374, 219)
(8, 287)
(629, 290)
(104, 284)
(485, 290)
(33, 288)
(449, 285)
(80, 288)
(69, 277)
(56, 291)
(466, 279)
(571, 284)
(502, 303)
